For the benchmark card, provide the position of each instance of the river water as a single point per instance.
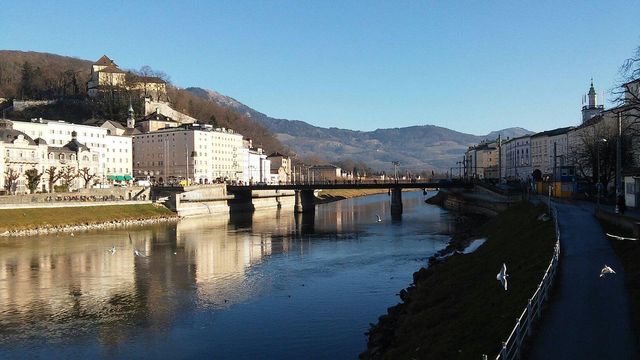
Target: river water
(268, 285)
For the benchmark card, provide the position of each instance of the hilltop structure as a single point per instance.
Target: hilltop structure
(106, 76)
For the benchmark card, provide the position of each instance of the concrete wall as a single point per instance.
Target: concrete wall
(83, 195)
(213, 200)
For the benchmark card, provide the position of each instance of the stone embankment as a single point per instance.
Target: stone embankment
(89, 226)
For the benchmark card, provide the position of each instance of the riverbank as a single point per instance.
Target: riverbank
(327, 196)
(34, 221)
(456, 309)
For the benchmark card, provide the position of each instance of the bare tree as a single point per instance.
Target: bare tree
(68, 174)
(33, 179)
(54, 175)
(85, 174)
(10, 176)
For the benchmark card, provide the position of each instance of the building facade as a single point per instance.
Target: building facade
(194, 153)
(113, 152)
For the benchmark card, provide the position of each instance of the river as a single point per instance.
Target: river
(268, 285)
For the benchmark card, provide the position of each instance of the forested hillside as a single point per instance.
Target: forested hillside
(43, 76)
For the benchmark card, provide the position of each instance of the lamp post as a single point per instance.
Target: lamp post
(598, 183)
(395, 169)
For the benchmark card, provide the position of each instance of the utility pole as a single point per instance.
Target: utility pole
(619, 162)
(499, 158)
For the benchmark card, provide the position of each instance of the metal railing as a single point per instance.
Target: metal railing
(512, 347)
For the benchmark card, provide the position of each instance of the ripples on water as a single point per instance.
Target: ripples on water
(271, 284)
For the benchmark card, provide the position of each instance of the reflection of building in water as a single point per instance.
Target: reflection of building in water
(224, 248)
(64, 286)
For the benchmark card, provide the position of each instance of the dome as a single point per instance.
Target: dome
(10, 135)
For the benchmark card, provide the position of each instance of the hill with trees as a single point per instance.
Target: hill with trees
(43, 76)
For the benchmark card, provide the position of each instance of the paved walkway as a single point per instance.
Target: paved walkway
(589, 317)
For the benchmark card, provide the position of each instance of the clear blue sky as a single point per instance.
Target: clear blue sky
(473, 66)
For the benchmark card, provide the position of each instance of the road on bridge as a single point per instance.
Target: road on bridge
(588, 317)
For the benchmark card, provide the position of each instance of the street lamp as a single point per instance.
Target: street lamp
(395, 167)
(598, 183)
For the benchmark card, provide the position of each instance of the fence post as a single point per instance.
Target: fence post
(517, 334)
(529, 318)
(503, 351)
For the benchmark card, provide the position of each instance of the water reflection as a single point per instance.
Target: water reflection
(73, 296)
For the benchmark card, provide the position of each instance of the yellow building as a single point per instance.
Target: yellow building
(107, 76)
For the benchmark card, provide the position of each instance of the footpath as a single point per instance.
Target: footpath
(589, 317)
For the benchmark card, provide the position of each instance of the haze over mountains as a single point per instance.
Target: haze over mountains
(417, 148)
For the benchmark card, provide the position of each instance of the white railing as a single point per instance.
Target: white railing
(512, 347)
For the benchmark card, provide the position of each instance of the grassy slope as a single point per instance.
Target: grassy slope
(341, 194)
(458, 310)
(17, 219)
(629, 253)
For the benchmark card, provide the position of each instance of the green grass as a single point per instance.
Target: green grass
(458, 309)
(20, 219)
(629, 254)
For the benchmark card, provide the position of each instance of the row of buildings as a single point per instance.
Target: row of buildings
(568, 154)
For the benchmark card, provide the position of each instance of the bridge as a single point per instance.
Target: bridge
(305, 199)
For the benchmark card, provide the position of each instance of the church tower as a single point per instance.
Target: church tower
(131, 120)
(590, 107)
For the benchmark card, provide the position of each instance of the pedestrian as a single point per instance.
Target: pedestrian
(622, 207)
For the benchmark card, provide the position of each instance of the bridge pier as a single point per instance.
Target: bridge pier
(396, 200)
(305, 201)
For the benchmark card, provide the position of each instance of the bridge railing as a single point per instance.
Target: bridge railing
(512, 347)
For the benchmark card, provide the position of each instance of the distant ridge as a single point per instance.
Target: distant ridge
(418, 148)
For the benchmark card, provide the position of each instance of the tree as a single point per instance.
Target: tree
(85, 174)
(54, 175)
(33, 179)
(10, 176)
(68, 174)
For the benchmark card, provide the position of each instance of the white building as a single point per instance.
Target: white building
(516, 162)
(256, 166)
(22, 153)
(549, 152)
(113, 151)
(195, 153)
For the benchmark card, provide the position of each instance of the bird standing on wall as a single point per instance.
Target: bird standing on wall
(502, 276)
(606, 270)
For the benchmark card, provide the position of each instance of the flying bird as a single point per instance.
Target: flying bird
(112, 250)
(620, 237)
(502, 276)
(606, 270)
(137, 252)
(379, 218)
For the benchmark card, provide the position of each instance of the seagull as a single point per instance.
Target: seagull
(620, 237)
(112, 250)
(137, 252)
(502, 276)
(379, 219)
(72, 234)
(606, 270)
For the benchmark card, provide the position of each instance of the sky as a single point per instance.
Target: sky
(471, 66)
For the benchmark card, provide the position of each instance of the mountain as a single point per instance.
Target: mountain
(417, 148)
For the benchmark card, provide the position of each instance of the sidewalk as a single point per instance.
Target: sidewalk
(589, 317)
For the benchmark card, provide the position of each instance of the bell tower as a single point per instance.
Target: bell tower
(131, 120)
(590, 107)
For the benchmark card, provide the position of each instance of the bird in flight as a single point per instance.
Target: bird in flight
(112, 250)
(137, 252)
(379, 219)
(620, 237)
(606, 270)
(502, 276)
